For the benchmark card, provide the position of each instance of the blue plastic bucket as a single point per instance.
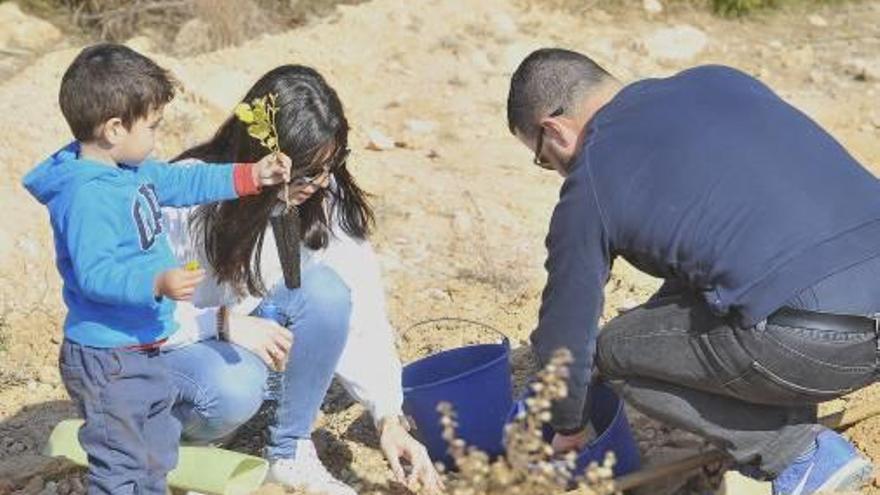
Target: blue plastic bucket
(475, 380)
(613, 433)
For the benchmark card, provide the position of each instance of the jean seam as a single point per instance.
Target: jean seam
(652, 334)
(112, 446)
(779, 381)
(845, 369)
(198, 401)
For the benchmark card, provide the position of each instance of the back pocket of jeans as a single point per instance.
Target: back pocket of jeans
(762, 385)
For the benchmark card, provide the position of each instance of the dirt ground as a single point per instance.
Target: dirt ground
(461, 211)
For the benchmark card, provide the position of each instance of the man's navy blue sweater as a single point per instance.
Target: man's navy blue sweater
(709, 179)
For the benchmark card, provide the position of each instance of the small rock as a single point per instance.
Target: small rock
(800, 58)
(627, 305)
(462, 222)
(379, 141)
(432, 154)
(31, 385)
(30, 247)
(601, 16)
(679, 43)
(735, 483)
(652, 7)
(48, 374)
(775, 44)
(51, 488)
(875, 119)
(816, 76)
(817, 20)
(866, 127)
(480, 61)
(439, 295)
(863, 70)
(420, 126)
(504, 24)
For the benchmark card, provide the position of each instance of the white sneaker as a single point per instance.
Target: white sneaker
(306, 472)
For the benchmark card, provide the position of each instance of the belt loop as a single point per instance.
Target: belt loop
(877, 339)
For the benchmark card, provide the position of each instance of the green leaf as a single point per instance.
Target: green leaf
(244, 113)
(259, 130)
(260, 115)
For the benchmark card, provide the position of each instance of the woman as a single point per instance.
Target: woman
(337, 317)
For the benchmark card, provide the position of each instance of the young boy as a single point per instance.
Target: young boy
(118, 270)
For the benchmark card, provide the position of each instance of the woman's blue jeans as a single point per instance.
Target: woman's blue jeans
(221, 386)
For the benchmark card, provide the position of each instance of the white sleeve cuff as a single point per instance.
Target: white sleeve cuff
(195, 325)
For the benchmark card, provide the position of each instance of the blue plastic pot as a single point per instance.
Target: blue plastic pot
(613, 433)
(475, 380)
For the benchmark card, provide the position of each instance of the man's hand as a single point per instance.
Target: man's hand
(265, 338)
(272, 169)
(178, 283)
(397, 443)
(563, 444)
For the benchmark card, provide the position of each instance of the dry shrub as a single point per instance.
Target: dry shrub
(117, 20)
(197, 25)
(530, 467)
(221, 23)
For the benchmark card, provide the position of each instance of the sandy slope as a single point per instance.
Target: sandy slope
(440, 197)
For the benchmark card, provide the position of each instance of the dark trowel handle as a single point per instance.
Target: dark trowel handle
(286, 229)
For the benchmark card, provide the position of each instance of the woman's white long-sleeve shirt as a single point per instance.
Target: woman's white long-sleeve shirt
(369, 367)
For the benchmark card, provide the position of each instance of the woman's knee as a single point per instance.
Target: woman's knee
(326, 290)
(328, 299)
(236, 393)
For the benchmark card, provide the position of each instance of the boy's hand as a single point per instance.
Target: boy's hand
(272, 169)
(178, 283)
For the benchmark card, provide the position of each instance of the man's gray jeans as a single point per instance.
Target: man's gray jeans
(751, 391)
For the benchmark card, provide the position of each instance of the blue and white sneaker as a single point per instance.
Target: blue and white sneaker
(833, 465)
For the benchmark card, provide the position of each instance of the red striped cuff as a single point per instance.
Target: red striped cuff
(243, 179)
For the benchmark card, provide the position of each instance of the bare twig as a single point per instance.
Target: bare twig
(132, 10)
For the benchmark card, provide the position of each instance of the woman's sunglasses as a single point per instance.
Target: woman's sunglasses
(336, 163)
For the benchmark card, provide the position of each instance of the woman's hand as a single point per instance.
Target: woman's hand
(265, 338)
(397, 443)
(272, 169)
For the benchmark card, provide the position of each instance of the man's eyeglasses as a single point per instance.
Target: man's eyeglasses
(539, 147)
(336, 163)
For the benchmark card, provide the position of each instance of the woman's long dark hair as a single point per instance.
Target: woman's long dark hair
(311, 127)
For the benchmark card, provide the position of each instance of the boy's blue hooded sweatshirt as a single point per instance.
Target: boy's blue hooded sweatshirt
(110, 242)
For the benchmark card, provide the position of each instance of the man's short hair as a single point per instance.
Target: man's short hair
(107, 81)
(547, 80)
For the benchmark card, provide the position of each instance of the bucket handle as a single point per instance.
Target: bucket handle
(454, 319)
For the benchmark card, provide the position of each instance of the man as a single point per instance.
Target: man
(766, 232)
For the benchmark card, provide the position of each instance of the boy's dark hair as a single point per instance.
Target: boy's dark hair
(107, 81)
(546, 80)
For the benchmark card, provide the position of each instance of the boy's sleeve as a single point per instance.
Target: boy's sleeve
(197, 183)
(92, 236)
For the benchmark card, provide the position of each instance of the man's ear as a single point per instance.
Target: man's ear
(557, 134)
(112, 131)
